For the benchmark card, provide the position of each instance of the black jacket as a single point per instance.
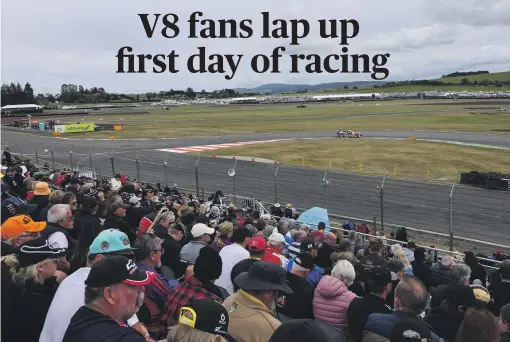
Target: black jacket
(24, 319)
(440, 275)
(299, 303)
(88, 325)
(360, 309)
(116, 222)
(86, 227)
(445, 321)
(478, 272)
(135, 214)
(423, 272)
(41, 202)
(171, 257)
(324, 256)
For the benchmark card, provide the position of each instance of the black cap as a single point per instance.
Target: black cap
(117, 269)
(300, 330)
(410, 330)
(205, 315)
(378, 276)
(307, 245)
(263, 276)
(395, 266)
(304, 260)
(37, 250)
(89, 202)
(118, 205)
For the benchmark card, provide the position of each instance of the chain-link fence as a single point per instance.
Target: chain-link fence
(448, 211)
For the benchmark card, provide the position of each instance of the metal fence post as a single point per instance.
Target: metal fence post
(71, 157)
(21, 152)
(196, 175)
(232, 173)
(90, 157)
(113, 162)
(450, 225)
(137, 167)
(36, 157)
(275, 183)
(53, 156)
(380, 195)
(165, 163)
(325, 184)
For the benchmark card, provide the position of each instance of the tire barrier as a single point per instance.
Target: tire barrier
(487, 180)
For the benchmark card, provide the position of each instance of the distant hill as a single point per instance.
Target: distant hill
(491, 77)
(279, 88)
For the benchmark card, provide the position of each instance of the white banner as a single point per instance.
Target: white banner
(60, 128)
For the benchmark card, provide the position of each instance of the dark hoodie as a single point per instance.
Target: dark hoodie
(89, 325)
(42, 202)
(33, 300)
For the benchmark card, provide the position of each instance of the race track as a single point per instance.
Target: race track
(477, 213)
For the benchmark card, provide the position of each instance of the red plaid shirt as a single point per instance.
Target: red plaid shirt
(191, 288)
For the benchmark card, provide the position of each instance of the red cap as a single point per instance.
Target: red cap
(317, 236)
(257, 244)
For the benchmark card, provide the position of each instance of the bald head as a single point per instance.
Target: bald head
(329, 238)
(300, 235)
(411, 295)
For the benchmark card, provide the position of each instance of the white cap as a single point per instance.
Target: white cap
(276, 237)
(200, 229)
(58, 240)
(134, 200)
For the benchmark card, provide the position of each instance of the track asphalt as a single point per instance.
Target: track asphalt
(477, 213)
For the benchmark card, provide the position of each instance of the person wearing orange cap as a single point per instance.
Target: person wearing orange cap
(18, 230)
(41, 198)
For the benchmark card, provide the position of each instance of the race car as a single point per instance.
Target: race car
(348, 134)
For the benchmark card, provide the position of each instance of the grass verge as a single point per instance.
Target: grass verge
(399, 158)
(451, 121)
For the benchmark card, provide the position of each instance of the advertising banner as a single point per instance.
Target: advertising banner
(75, 128)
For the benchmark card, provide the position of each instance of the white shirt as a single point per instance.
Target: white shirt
(69, 298)
(230, 256)
(116, 185)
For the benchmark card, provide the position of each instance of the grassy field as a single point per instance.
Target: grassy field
(496, 76)
(399, 158)
(475, 115)
(223, 120)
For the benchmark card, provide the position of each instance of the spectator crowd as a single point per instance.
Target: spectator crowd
(88, 259)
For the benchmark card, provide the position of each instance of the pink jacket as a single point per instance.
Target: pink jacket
(331, 301)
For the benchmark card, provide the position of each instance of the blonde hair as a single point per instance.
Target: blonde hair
(225, 229)
(56, 196)
(184, 333)
(204, 208)
(401, 256)
(19, 274)
(169, 215)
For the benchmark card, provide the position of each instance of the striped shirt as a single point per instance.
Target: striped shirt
(294, 249)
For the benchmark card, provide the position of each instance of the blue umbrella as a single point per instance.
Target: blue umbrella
(313, 216)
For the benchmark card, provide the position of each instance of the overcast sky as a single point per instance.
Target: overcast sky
(48, 43)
